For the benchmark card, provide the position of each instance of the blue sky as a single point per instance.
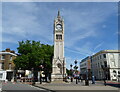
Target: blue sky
(89, 27)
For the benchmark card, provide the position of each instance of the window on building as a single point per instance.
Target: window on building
(112, 56)
(118, 72)
(100, 56)
(10, 66)
(98, 64)
(2, 57)
(2, 65)
(1, 75)
(114, 71)
(104, 55)
(113, 63)
(59, 37)
(10, 58)
(105, 63)
(119, 56)
(118, 75)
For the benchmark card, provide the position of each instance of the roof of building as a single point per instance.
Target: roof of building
(4, 53)
(88, 57)
(106, 51)
(8, 51)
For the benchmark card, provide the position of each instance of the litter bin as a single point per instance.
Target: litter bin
(86, 82)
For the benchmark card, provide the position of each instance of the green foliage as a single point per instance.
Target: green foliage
(33, 54)
(68, 72)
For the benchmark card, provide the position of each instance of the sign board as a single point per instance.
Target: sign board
(3, 75)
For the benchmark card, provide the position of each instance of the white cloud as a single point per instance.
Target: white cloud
(85, 23)
(117, 33)
(86, 49)
(99, 45)
(104, 26)
(25, 21)
(60, 0)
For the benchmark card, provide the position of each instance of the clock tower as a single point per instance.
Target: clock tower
(58, 63)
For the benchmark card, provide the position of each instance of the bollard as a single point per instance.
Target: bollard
(76, 81)
(71, 79)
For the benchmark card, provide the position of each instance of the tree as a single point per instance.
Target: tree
(32, 54)
(68, 72)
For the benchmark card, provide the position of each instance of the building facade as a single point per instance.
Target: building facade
(58, 63)
(85, 67)
(6, 63)
(105, 64)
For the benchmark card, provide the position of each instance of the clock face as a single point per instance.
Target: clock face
(59, 27)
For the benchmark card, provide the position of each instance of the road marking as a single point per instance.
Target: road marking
(36, 87)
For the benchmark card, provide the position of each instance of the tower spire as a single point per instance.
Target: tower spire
(58, 13)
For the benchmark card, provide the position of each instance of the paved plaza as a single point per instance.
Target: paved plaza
(77, 87)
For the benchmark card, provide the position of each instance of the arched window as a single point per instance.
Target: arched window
(59, 65)
(114, 71)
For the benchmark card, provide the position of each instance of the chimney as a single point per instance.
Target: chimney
(12, 51)
(7, 49)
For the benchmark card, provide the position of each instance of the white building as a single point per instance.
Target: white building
(105, 64)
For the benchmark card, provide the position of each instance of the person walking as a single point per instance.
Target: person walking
(93, 80)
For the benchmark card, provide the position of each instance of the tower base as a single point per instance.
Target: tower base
(56, 77)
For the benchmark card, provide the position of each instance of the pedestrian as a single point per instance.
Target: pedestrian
(81, 78)
(104, 82)
(93, 80)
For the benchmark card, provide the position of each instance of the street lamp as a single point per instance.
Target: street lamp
(104, 71)
(33, 81)
(76, 67)
(41, 67)
(15, 74)
(71, 73)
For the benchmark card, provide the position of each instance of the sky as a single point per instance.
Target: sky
(89, 26)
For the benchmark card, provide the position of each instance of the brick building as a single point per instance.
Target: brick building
(6, 62)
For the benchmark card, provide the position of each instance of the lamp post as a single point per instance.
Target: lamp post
(33, 81)
(71, 73)
(41, 67)
(76, 67)
(15, 74)
(104, 71)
